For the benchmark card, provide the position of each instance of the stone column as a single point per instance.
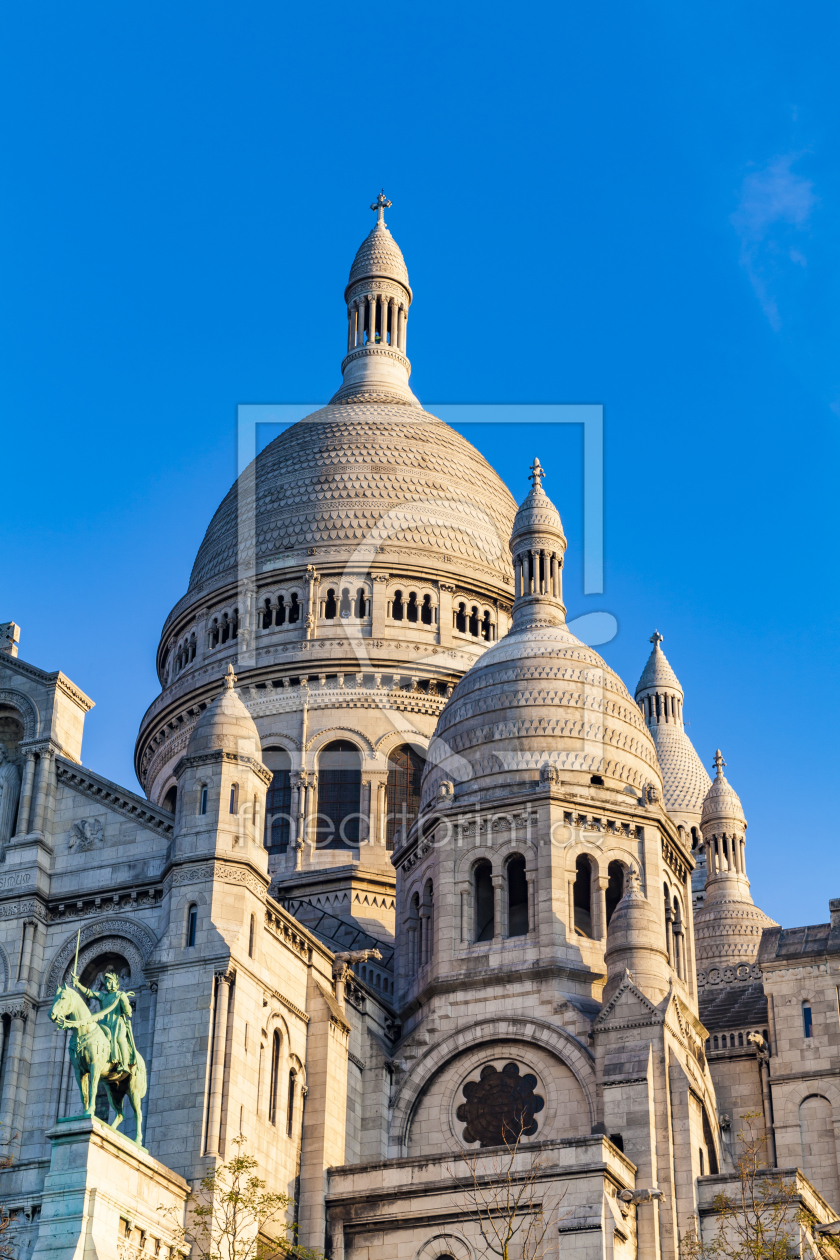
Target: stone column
(26, 949)
(371, 305)
(379, 605)
(601, 883)
(499, 927)
(26, 795)
(8, 1107)
(150, 1049)
(531, 877)
(444, 630)
(42, 788)
(217, 1070)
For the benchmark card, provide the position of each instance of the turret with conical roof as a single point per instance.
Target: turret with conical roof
(728, 925)
(378, 296)
(537, 545)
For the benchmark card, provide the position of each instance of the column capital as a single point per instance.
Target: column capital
(228, 975)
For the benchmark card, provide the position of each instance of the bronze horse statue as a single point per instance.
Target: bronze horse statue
(91, 1053)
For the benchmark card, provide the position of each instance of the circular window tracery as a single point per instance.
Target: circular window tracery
(500, 1107)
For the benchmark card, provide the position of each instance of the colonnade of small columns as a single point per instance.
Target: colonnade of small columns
(662, 707)
(537, 572)
(725, 853)
(379, 315)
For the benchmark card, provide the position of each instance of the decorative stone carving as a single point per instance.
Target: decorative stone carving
(86, 834)
(500, 1106)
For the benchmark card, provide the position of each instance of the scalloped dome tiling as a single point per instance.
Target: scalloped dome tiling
(684, 778)
(360, 473)
(379, 255)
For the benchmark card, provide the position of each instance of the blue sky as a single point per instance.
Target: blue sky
(631, 205)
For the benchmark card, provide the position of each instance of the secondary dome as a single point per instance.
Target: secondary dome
(539, 700)
(660, 696)
(225, 724)
(375, 477)
(379, 255)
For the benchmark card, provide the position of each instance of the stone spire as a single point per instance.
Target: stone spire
(658, 692)
(728, 925)
(378, 296)
(537, 545)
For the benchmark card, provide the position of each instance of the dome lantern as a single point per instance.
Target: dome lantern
(378, 296)
(537, 545)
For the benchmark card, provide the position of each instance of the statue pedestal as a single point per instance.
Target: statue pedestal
(102, 1194)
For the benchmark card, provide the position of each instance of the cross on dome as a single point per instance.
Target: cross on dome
(719, 764)
(230, 678)
(537, 473)
(656, 638)
(381, 204)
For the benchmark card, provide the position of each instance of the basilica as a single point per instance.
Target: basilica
(420, 900)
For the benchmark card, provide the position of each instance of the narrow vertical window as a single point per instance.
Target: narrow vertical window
(517, 897)
(272, 1084)
(290, 1113)
(192, 924)
(251, 936)
(234, 798)
(202, 808)
(483, 893)
(582, 896)
(807, 1022)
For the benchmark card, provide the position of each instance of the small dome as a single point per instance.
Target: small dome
(379, 255)
(657, 673)
(722, 803)
(226, 724)
(536, 512)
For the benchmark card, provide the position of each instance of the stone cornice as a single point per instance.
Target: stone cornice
(221, 754)
(115, 798)
(57, 679)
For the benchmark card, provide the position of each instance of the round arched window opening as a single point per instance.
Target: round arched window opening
(339, 795)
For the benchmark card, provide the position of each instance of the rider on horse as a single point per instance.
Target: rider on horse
(115, 1011)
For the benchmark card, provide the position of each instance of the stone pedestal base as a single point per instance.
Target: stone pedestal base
(102, 1195)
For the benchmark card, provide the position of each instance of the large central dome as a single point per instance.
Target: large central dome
(362, 475)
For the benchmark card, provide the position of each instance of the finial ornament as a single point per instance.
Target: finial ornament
(537, 473)
(656, 638)
(719, 764)
(230, 678)
(381, 204)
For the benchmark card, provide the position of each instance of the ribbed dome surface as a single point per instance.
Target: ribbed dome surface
(539, 695)
(386, 475)
(684, 778)
(226, 724)
(379, 255)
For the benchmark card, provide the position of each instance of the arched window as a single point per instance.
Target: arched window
(427, 916)
(413, 935)
(402, 796)
(266, 616)
(171, 799)
(397, 607)
(225, 627)
(411, 610)
(679, 944)
(461, 618)
(582, 896)
(330, 605)
(361, 602)
(192, 925)
(339, 795)
(486, 628)
(807, 1021)
(668, 916)
(290, 1106)
(202, 800)
(426, 616)
(710, 1145)
(517, 888)
(280, 611)
(615, 888)
(274, 1079)
(485, 921)
(294, 609)
(234, 798)
(345, 608)
(278, 801)
(251, 933)
(474, 622)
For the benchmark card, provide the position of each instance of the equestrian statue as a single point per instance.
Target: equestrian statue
(102, 1046)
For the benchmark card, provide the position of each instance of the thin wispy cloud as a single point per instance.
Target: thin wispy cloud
(773, 213)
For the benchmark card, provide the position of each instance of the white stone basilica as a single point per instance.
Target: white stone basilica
(414, 872)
